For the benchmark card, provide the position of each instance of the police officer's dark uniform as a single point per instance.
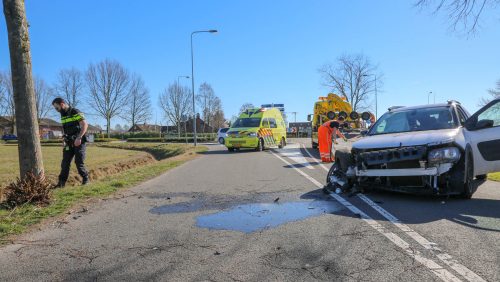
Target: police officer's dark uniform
(70, 120)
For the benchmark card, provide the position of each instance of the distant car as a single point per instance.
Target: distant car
(7, 137)
(432, 148)
(221, 135)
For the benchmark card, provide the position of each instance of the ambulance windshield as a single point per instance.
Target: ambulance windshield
(246, 122)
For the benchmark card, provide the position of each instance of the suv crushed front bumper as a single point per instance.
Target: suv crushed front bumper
(431, 171)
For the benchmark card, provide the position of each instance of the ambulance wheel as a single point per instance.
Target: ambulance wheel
(230, 149)
(282, 143)
(260, 146)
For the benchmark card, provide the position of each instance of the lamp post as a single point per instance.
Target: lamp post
(192, 78)
(428, 97)
(376, 94)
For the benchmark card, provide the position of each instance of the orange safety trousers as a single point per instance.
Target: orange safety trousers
(325, 142)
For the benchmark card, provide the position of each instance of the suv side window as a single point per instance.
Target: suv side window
(492, 113)
(272, 123)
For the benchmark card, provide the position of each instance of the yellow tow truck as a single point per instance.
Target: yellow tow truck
(331, 107)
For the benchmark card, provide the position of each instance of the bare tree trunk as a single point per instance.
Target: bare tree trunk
(108, 125)
(30, 153)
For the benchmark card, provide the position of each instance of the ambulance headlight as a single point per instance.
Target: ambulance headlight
(444, 155)
(252, 134)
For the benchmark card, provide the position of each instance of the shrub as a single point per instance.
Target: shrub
(32, 189)
(101, 140)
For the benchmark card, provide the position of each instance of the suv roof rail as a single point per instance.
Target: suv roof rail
(395, 107)
(453, 102)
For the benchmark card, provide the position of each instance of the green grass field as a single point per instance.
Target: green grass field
(21, 218)
(494, 176)
(52, 155)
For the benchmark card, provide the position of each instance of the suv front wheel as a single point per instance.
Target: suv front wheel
(461, 179)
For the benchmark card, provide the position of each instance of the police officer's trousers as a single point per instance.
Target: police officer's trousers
(79, 154)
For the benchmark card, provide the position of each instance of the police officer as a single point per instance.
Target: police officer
(74, 129)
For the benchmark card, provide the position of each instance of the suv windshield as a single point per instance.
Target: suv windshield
(246, 122)
(414, 120)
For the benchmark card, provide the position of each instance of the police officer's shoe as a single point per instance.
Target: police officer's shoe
(60, 184)
(85, 181)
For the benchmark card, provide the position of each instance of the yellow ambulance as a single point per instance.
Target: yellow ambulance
(257, 128)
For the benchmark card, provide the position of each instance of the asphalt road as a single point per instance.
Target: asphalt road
(261, 216)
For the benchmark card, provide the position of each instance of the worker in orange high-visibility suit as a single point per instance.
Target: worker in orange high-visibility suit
(328, 132)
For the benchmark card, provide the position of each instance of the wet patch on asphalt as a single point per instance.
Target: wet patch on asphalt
(247, 213)
(253, 217)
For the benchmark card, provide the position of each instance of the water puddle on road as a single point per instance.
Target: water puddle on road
(249, 218)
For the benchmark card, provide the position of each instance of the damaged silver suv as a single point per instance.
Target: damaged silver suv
(435, 149)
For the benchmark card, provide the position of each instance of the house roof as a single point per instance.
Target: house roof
(146, 127)
(93, 128)
(48, 122)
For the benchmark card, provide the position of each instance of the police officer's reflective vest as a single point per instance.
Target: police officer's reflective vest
(70, 120)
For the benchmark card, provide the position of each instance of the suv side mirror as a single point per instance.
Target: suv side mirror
(364, 132)
(484, 123)
(470, 123)
(308, 117)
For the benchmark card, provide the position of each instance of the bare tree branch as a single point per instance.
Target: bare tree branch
(70, 86)
(8, 107)
(138, 108)
(108, 83)
(246, 106)
(463, 14)
(494, 93)
(209, 103)
(175, 103)
(43, 95)
(352, 77)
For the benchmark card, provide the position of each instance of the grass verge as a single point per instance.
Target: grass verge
(18, 220)
(494, 176)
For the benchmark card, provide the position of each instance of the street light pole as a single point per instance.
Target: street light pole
(192, 79)
(429, 97)
(376, 98)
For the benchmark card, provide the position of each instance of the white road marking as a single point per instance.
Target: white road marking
(435, 268)
(468, 274)
(293, 152)
(311, 156)
(443, 256)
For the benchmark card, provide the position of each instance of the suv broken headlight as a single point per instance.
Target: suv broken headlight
(444, 155)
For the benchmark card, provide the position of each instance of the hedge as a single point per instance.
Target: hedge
(100, 140)
(126, 136)
(170, 139)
